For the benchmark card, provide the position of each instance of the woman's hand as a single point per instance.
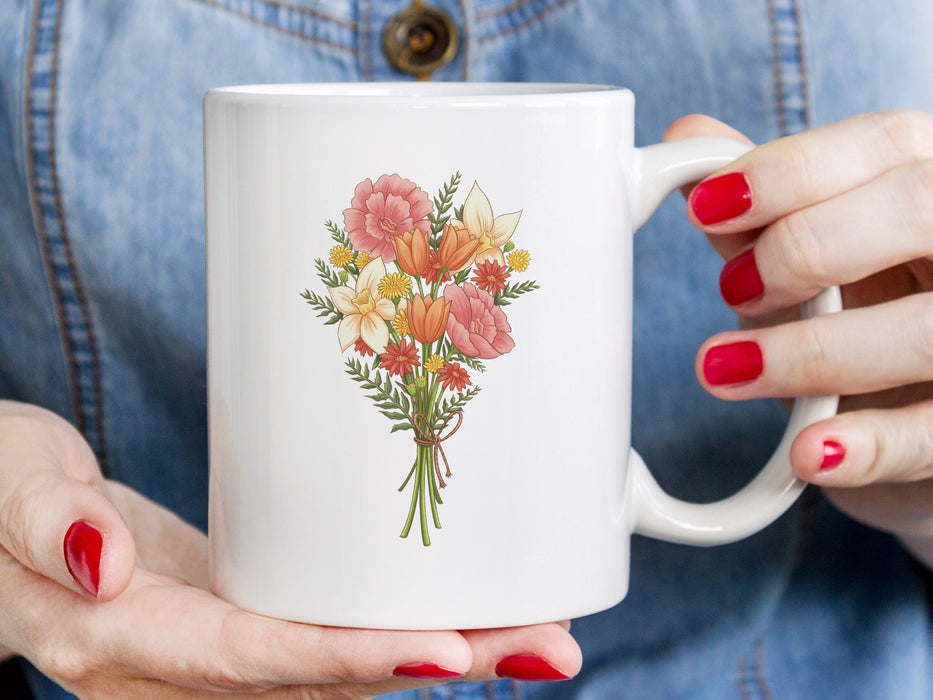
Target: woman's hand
(117, 606)
(849, 204)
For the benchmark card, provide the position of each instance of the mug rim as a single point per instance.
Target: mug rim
(467, 93)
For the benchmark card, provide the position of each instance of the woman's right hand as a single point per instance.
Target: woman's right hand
(118, 607)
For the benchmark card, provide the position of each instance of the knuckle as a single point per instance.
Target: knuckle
(922, 337)
(228, 667)
(818, 365)
(800, 250)
(924, 462)
(916, 203)
(906, 132)
(24, 512)
(808, 168)
(65, 663)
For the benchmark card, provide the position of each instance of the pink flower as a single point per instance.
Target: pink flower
(381, 211)
(476, 326)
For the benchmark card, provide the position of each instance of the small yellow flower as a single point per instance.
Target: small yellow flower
(362, 258)
(340, 256)
(434, 363)
(394, 285)
(400, 323)
(519, 260)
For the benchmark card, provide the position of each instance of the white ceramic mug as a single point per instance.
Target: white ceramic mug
(356, 396)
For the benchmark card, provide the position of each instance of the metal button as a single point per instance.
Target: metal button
(420, 39)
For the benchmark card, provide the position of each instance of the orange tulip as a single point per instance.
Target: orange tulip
(457, 248)
(427, 318)
(411, 251)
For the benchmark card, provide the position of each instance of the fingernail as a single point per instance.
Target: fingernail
(528, 667)
(733, 363)
(739, 281)
(833, 454)
(83, 544)
(721, 198)
(424, 671)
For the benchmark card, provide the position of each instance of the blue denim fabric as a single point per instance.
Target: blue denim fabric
(102, 288)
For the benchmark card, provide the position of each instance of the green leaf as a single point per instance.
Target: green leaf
(394, 416)
(448, 406)
(338, 234)
(462, 276)
(470, 362)
(400, 426)
(328, 277)
(388, 399)
(323, 305)
(513, 291)
(442, 204)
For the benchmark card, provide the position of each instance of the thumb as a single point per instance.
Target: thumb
(54, 519)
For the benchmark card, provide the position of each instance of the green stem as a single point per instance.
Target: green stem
(422, 487)
(414, 499)
(408, 478)
(434, 493)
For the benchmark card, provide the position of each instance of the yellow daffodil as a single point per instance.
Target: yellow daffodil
(493, 232)
(364, 310)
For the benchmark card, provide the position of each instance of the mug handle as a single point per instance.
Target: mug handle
(659, 170)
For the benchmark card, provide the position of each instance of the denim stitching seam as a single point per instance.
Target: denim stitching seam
(364, 37)
(297, 9)
(294, 33)
(759, 671)
(791, 80)
(515, 18)
(74, 318)
(466, 31)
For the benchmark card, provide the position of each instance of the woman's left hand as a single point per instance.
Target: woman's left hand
(850, 204)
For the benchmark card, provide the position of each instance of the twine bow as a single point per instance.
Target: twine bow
(434, 438)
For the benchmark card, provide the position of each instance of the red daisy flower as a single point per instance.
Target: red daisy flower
(490, 276)
(433, 271)
(363, 349)
(453, 376)
(400, 358)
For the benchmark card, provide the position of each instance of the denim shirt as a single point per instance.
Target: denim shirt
(102, 288)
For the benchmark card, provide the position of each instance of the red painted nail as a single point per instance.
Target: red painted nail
(721, 198)
(833, 454)
(83, 544)
(733, 363)
(528, 667)
(739, 281)
(425, 671)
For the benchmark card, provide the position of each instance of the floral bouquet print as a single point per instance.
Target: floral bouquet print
(417, 290)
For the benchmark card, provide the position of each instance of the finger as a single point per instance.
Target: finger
(867, 447)
(845, 353)
(535, 653)
(694, 125)
(798, 171)
(189, 637)
(149, 689)
(871, 228)
(876, 466)
(52, 519)
(701, 125)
